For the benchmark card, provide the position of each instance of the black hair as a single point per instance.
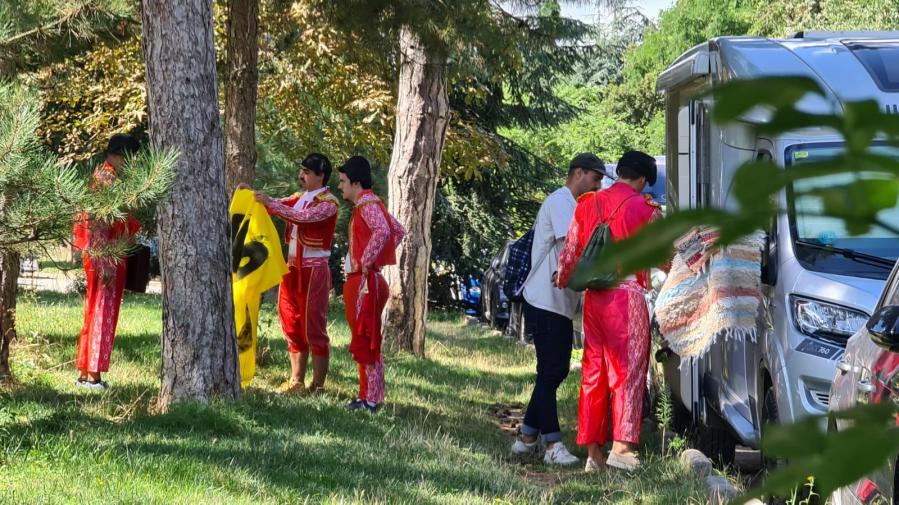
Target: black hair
(357, 169)
(122, 144)
(318, 163)
(628, 173)
(635, 164)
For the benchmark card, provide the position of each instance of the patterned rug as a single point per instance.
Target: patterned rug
(720, 298)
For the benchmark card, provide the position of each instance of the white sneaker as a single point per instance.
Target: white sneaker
(559, 455)
(520, 448)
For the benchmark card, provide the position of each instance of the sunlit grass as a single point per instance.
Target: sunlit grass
(434, 442)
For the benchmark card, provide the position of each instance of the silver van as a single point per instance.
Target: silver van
(821, 284)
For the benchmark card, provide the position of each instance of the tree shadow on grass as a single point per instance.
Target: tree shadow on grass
(319, 451)
(433, 436)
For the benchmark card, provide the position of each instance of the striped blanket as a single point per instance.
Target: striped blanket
(696, 306)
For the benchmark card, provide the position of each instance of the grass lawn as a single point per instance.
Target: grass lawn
(436, 440)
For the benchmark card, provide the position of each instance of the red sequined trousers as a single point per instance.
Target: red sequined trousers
(101, 312)
(616, 356)
(365, 299)
(303, 307)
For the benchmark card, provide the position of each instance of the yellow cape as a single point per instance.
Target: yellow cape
(257, 264)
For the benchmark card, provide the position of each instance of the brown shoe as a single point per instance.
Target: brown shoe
(290, 387)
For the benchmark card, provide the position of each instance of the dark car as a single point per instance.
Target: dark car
(494, 304)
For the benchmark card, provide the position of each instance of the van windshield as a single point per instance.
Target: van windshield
(823, 243)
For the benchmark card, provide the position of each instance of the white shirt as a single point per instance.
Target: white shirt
(308, 252)
(550, 228)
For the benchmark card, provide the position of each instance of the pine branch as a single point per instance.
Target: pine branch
(76, 27)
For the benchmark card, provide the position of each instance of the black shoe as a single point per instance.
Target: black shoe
(371, 406)
(355, 404)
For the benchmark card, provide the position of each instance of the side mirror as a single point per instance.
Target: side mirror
(884, 327)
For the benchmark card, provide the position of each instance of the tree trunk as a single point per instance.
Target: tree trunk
(9, 276)
(422, 116)
(242, 76)
(199, 349)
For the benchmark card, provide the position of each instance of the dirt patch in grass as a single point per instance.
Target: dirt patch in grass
(508, 417)
(544, 479)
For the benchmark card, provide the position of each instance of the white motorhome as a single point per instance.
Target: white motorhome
(821, 283)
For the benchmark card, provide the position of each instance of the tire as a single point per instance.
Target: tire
(493, 320)
(522, 329)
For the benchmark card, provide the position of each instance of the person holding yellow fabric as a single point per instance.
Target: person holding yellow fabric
(304, 294)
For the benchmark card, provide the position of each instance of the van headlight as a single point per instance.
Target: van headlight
(826, 320)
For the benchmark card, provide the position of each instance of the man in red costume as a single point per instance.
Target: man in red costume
(304, 294)
(374, 235)
(616, 321)
(105, 276)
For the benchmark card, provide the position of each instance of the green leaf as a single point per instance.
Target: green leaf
(860, 124)
(858, 202)
(735, 98)
(755, 182)
(789, 119)
(835, 459)
(803, 439)
(652, 245)
(872, 413)
(779, 482)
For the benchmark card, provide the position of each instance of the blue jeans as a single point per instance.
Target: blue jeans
(553, 336)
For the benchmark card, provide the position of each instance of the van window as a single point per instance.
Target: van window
(810, 230)
(881, 59)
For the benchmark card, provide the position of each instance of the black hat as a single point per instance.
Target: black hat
(357, 169)
(122, 144)
(641, 163)
(587, 161)
(318, 163)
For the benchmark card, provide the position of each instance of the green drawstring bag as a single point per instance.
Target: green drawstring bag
(584, 276)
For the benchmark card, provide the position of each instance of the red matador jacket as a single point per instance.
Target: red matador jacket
(314, 230)
(374, 235)
(631, 212)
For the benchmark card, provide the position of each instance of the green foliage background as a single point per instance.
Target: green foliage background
(517, 117)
